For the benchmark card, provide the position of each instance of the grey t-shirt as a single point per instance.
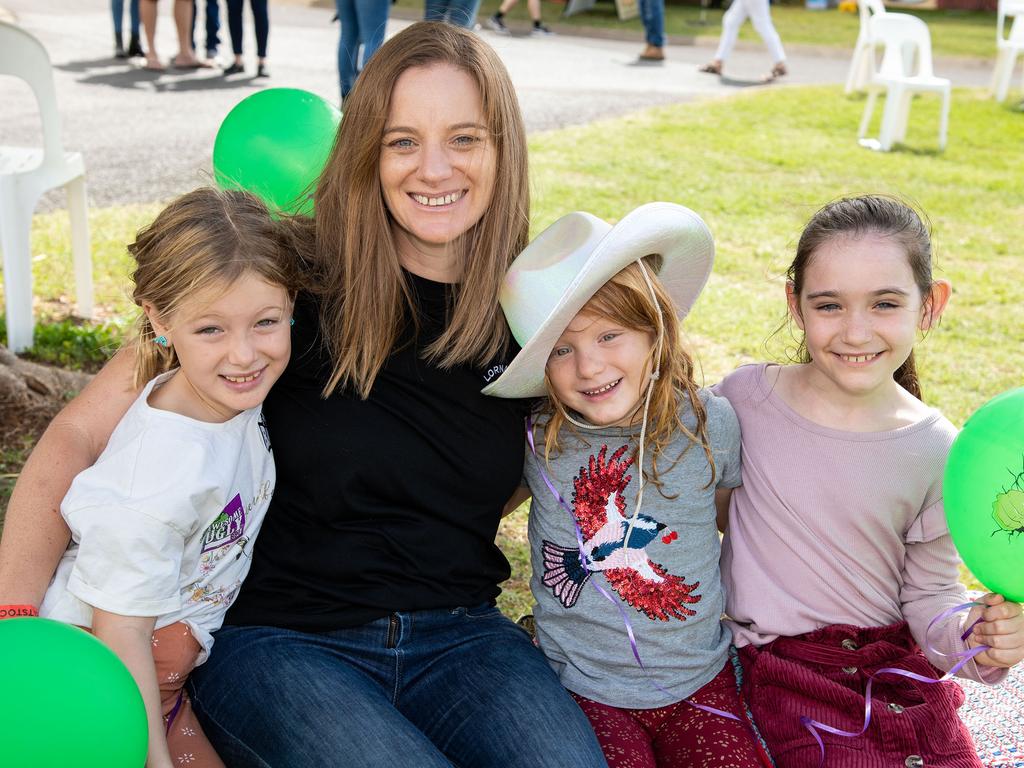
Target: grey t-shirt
(666, 581)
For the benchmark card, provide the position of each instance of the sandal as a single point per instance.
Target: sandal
(712, 68)
(779, 70)
(181, 62)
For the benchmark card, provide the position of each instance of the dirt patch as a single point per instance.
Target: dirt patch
(21, 424)
(31, 394)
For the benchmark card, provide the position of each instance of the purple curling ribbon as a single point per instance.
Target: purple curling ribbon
(813, 726)
(174, 710)
(601, 590)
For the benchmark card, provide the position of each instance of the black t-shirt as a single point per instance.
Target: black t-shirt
(385, 504)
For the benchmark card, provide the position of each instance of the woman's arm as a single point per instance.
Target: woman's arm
(522, 494)
(34, 535)
(131, 638)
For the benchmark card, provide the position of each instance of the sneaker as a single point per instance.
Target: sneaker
(262, 70)
(539, 30)
(497, 25)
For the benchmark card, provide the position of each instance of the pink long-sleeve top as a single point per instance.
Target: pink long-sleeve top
(833, 527)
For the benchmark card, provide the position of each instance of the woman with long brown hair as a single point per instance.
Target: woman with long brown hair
(366, 632)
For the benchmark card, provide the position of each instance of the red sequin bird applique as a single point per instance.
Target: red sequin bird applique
(599, 505)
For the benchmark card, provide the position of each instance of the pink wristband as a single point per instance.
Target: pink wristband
(16, 611)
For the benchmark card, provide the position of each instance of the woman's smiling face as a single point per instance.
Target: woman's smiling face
(437, 164)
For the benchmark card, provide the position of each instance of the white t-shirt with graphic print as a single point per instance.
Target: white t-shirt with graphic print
(163, 523)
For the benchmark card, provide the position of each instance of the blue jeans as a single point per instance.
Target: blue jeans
(652, 14)
(212, 24)
(426, 689)
(462, 13)
(362, 23)
(117, 11)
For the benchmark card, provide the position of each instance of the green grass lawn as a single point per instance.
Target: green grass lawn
(954, 33)
(756, 166)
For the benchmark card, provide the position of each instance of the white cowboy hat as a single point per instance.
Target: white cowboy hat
(551, 280)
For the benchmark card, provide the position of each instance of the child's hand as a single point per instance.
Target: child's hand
(1002, 630)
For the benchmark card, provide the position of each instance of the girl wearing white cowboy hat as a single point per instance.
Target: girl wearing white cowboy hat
(627, 602)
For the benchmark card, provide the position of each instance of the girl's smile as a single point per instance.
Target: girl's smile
(601, 392)
(599, 369)
(859, 359)
(245, 382)
(860, 310)
(232, 344)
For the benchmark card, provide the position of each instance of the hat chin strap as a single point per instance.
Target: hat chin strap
(655, 374)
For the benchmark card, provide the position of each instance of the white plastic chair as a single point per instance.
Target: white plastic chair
(1008, 47)
(902, 35)
(860, 67)
(25, 174)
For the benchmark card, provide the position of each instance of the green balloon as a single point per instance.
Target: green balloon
(66, 700)
(274, 144)
(983, 493)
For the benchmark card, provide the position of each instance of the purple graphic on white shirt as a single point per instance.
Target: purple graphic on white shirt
(228, 527)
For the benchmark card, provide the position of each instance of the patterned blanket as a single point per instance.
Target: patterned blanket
(995, 718)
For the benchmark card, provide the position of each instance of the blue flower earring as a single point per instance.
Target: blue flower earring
(161, 341)
(292, 321)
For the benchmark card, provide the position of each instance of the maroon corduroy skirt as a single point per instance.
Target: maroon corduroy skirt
(823, 675)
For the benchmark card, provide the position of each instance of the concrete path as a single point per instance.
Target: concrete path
(147, 136)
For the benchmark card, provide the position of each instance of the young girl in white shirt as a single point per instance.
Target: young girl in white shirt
(163, 523)
(837, 556)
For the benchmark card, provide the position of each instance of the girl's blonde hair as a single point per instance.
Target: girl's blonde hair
(205, 239)
(626, 300)
(365, 298)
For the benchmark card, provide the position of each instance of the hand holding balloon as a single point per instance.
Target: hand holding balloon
(1001, 629)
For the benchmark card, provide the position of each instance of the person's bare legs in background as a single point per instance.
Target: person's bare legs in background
(186, 56)
(147, 11)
